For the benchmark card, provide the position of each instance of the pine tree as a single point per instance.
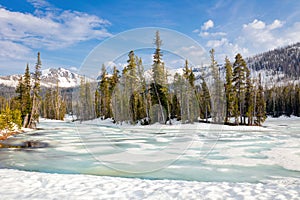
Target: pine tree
(217, 92)
(229, 91)
(104, 89)
(191, 104)
(175, 108)
(178, 85)
(236, 111)
(34, 116)
(24, 99)
(239, 70)
(131, 86)
(260, 104)
(297, 100)
(206, 100)
(158, 66)
(48, 105)
(143, 89)
(249, 98)
(97, 103)
(159, 90)
(16, 117)
(59, 104)
(113, 80)
(186, 70)
(86, 111)
(6, 119)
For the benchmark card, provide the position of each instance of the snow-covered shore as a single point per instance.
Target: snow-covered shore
(34, 185)
(4, 134)
(177, 125)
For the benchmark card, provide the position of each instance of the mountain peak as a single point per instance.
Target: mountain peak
(49, 78)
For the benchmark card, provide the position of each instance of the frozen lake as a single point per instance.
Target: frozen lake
(198, 152)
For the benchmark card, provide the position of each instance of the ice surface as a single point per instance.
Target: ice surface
(217, 161)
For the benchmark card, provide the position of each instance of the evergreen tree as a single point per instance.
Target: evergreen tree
(236, 111)
(132, 86)
(297, 100)
(113, 80)
(9, 119)
(143, 89)
(104, 89)
(159, 90)
(6, 119)
(249, 98)
(86, 111)
(34, 116)
(217, 92)
(16, 118)
(97, 103)
(239, 70)
(186, 70)
(206, 100)
(158, 66)
(260, 104)
(178, 85)
(191, 103)
(175, 109)
(24, 99)
(229, 91)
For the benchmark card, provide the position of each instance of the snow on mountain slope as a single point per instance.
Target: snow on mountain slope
(50, 77)
(64, 77)
(11, 81)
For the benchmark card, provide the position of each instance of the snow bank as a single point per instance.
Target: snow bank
(178, 125)
(4, 134)
(34, 185)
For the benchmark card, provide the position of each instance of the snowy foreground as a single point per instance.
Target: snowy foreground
(34, 185)
(240, 163)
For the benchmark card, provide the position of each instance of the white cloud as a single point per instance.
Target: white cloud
(224, 47)
(204, 30)
(194, 53)
(207, 25)
(52, 29)
(256, 24)
(39, 3)
(276, 24)
(213, 34)
(216, 43)
(260, 25)
(253, 38)
(259, 36)
(13, 51)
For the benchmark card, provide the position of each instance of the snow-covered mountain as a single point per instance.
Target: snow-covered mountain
(50, 77)
(64, 77)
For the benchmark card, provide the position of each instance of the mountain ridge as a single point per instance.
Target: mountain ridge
(49, 78)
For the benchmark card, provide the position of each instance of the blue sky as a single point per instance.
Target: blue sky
(66, 31)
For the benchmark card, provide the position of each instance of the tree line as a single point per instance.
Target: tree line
(232, 96)
(25, 108)
(128, 97)
(283, 100)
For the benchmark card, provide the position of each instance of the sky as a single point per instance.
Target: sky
(65, 32)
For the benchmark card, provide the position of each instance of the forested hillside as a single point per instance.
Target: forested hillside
(285, 59)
